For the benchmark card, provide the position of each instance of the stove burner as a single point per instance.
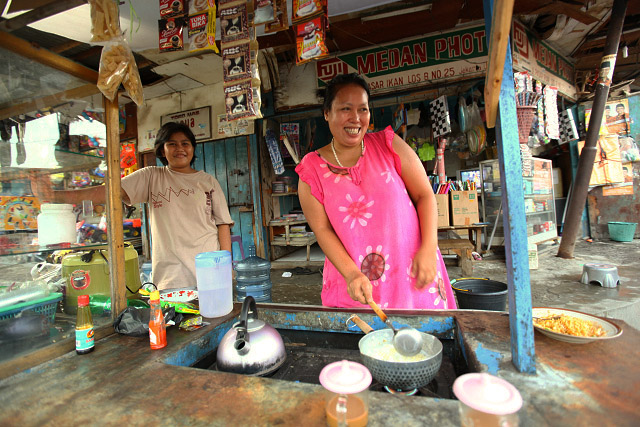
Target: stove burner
(400, 392)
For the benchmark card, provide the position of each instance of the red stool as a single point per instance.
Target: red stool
(237, 239)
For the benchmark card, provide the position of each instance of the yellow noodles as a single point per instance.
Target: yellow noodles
(570, 325)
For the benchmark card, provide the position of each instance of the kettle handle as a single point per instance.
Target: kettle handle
(241, 344)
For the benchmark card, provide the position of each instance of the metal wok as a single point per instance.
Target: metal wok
(417, 372)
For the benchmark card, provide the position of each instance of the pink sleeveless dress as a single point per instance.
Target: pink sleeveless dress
(371, 212)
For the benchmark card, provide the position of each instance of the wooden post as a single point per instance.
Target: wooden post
(114, 210)
(513, 215)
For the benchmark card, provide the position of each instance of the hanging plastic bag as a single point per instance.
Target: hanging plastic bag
(105, 20)
(477, 134)
(134, 321)
(114, 63)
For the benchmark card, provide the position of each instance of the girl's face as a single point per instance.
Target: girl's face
(349, 115)
(178, 151)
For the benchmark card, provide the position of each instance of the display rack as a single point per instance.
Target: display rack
(538, 201)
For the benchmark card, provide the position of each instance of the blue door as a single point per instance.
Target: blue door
(234, 163)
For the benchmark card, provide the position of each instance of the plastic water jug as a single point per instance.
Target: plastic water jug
(253, 277)
(213, 275)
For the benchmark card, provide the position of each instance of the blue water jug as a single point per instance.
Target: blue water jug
(253, 277)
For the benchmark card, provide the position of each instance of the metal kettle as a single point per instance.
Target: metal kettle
(251, 346)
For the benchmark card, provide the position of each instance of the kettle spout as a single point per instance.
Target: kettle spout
(241, 344)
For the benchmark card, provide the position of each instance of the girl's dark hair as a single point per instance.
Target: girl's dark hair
(338, 82)
(165, 133)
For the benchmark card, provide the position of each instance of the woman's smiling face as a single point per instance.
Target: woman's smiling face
(349, 115)
(178, 151)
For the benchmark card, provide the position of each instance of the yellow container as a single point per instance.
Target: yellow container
(86, 272)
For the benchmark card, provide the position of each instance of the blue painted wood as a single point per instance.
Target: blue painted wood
(513, 216)
(233, 166)
(260, 232)
(208, 157)
(199, 163)
(241, 171)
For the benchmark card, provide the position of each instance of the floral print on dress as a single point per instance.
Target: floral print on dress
(374, 265)
(388, 177)
(356, 211)
(439, 289)
(337, 173)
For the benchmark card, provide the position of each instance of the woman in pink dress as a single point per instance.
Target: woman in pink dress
(368, 200)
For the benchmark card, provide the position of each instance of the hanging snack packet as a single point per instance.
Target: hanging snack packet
(310, 40)
(239, 101)
(236, 62)
(234, 23)
(282, 18)
(304, 9)
(105, 20)
(263, 12)
(114, 62)
(202, 30)
(170, 8)
(132, 83)
(170, 34)
(257, 101)
(196, 6)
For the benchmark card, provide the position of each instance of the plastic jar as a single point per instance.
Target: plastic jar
(253, 278)
(56, 224)
(215, 289)
(486, 400)
(347, 395)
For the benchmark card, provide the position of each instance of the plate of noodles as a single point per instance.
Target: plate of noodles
(573, 326)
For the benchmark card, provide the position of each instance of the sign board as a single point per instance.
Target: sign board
(541, 61)
(401, 65)
(198, 120)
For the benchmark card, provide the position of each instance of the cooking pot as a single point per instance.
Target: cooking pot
(391, 368)
(251, 346)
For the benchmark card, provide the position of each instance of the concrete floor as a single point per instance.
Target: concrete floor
(556, 282)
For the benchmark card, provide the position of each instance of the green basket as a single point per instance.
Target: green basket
(622, 231)
(46, 306)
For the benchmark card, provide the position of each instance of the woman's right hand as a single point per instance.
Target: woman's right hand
(359, 288)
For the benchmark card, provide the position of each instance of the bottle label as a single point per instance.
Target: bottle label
(84, 338)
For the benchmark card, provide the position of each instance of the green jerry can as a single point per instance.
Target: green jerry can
(86, 272)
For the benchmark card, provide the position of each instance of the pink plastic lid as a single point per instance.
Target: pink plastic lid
(345, 377)
(487, 393)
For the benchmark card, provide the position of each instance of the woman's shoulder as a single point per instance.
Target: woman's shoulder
(382, 138)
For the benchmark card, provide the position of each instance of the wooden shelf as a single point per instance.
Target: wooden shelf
(291, 193)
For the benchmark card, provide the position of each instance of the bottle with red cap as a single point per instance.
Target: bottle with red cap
(84, 326)
(157, 327)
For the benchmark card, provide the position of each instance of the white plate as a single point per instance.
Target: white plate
(179, 295)
(611, 329)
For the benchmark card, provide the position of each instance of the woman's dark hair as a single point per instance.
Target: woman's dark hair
(338, 82)
(165, 133)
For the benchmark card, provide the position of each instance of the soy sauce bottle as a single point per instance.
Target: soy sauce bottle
(84, 326)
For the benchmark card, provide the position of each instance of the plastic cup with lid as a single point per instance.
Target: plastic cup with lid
(486, 400)
(347, 393)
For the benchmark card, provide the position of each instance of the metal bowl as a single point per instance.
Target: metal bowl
(405, 375)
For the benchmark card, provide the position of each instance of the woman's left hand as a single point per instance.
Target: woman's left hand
(424, 267)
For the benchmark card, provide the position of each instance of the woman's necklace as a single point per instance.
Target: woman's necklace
(336, 156)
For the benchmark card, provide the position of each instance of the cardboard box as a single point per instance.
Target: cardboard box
(556, 175)
(464, 207)
(443, 209)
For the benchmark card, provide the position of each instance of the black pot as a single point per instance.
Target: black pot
(480, 294)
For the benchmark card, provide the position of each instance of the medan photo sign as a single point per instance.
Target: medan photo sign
(198, 120)
(428, 59)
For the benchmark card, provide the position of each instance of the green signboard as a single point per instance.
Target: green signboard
(433, 58)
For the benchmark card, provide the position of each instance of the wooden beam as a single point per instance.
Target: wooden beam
(46, 57)
(49, 101)
(114, 209)
(65, 46)
(500, 29)
(39, 14)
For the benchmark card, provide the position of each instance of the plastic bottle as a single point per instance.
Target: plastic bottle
(253, 277)
(215, 284)
(84, 326)
(157, 327)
